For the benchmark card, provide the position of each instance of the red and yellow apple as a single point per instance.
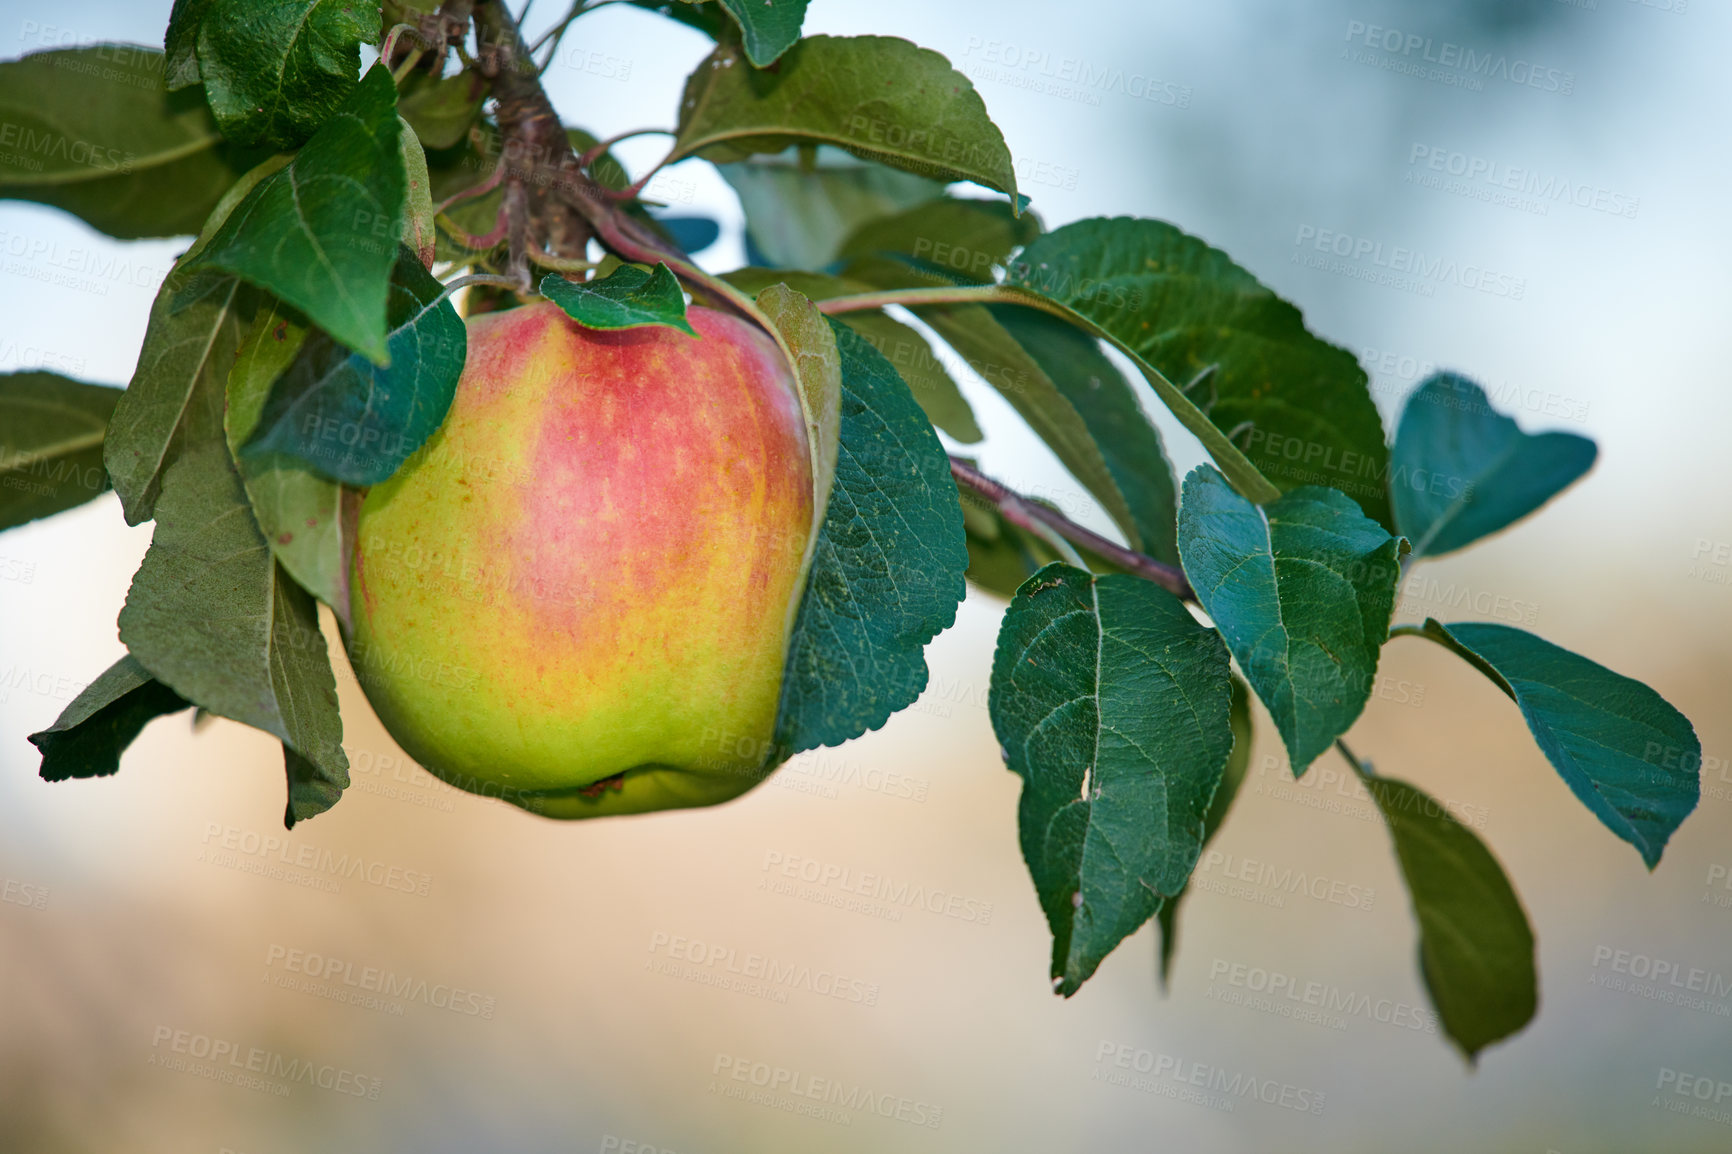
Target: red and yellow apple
(578, 594)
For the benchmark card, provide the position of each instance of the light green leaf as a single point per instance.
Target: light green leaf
(1167, 921)
(441, 109)
(90, 734)
(418, 230)
(1111, 703)
(299, 512)
(802, 204)
(1476, 950)
(1461, 470)
(770, 27)
(91, 131)
(631, 297)
(1128, 443)
(878, 97)
(51, 431)
(1630, 757)
(1298, 405)
(886, 573)
(322, 232)
(1302, 589)
(952, 240)
(211, 615)
(276, 70)
(810, 345)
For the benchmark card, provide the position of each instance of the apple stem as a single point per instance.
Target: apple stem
(1037, 518)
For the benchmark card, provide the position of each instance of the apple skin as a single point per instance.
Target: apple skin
(593, 568)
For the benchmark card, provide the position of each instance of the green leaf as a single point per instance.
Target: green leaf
(276, 71)
(980, 339)
(180, 69)
(878, 97)
(175, 399)
(1460, 470)
(1630, 757)
(1476, 950)
(419, 232)
(1231, 779)
(770, 27)
(631, 297)
(1302, 589)
(91, 131)
(886, 574)
(211, 615)
(1128, 443)
(1298, 404)
(352, 421)
(299, 512)
(441, 109)
(696, 14)
(1111, 703)
(89, 736)
(802, 204)
(321, 233)
(810, 346)
(955, 240)
(51, 444)
(935, 391)
(1000, 555)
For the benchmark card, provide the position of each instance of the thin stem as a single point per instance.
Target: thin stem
(476, 278)
(392, 37)
(484, 243)
(1026, 514)
(485, 187)
(408, 66)
(538, 255)
(556, 33)
(984, 294)
(1409, 631)
(1362, 768)
(601, 146)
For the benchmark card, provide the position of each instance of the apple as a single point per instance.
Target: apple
(578, 595)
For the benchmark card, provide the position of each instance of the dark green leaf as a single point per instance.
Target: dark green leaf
(322, 232)
(1631, 758)
(90, 734)
(878, 97)
(630, 298)
(91, 131)
(1103, 398)
(1111, 703)
(441, 109)
(976, 334)
(181, 41)
(299, 512)
(51, 431)
(1231, 779)
(349, 420)
(313, 788)
(1298, 404)
(955, 240)
(1460, 470)
(212, 615)
(770, 27)
(802, 204)
(1302, 588)
(1476, 951)
(277, 70)
(886, 574)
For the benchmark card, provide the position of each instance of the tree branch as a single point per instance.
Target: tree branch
(1035, 517)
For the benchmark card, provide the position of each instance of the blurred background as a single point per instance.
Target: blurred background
(488, 980)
